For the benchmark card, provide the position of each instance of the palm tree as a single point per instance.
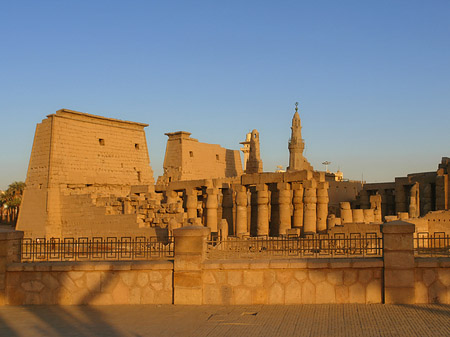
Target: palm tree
(11, 200)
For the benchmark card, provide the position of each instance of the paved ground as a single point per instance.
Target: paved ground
(300, 320)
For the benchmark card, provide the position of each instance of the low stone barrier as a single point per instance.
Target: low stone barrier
(296, 281)
(432, 280)
(98, 283)
(190, 278)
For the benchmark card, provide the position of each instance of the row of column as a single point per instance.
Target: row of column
(285, 206)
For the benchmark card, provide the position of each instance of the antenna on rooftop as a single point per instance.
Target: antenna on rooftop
(326, 163)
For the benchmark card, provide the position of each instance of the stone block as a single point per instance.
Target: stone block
(364, 275)
(317, 264)
(308, 292)
(350, 276)
(374, 292)
(253, 278)
(242, 295)
(444, 276)
(297, 264)
(212, 295)
(429, 276)
(427, 262)
(399, 278)
(293, 293)
(437, 293)
(357, 293)
(188, 262)
(421, 293)
(235, 264)
(279, 264)
(367, 263)
(317, 276)
(276, 294)
(335, 277)
(325, 293)
(339, 264)
(234, 277)
(300, 275)
(284, 276)
(398, 242)
(188, 296)
(399, 259)
(187, 279)
(259, 264)
(395, 295)
(342, 294)
(121, 266)
(259, 296)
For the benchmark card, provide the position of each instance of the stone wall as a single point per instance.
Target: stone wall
(245, 282)
(432, 280)
(188, 159)
(97, 283)
(78, 156)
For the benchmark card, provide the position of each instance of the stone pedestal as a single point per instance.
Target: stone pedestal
(310, 207)
(262, 227)
(10, 241)
(346, 212)
(322, 206)
(211, 209)
(190, 250)
(398, 251)
(241, 211)
(297, 202)
(358, 215)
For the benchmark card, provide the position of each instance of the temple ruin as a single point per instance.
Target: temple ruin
(91, 176)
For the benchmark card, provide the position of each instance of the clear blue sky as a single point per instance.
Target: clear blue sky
(372, 77)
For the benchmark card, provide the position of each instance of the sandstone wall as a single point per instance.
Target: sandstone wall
(432, 280)
(79, 154)
(248, 282)
(97, 283)
(188, 159)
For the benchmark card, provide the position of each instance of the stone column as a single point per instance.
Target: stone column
(10, 245)
(189, 254)
(227, 209)
(262, 227)
(414, 202)
(297, 202)
(241, 211)
(310, 207)
(284, 208)
(346, 212)
(398, 255)
(375, 204)
(322, 206)
(191, 203)
(211, 209)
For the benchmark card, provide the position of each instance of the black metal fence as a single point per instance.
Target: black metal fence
(432, 244)
(96, 249)
(338, 245)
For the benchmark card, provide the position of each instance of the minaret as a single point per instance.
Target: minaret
(297, 145)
